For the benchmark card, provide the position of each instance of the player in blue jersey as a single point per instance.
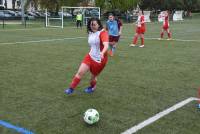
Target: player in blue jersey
(114, 27)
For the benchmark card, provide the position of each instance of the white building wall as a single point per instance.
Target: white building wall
(9, 4)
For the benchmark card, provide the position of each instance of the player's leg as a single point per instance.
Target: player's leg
(77, 23)
(81, 24)
(116, 39)
(142, 40)
(77, 78)
(92, 86)
(161, 33)
(135, 38)
(95, 69)
(168, 33)
(113, 48)
(111, 43)
(110, 48)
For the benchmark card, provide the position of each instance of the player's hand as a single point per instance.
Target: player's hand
(102, 55)
(120, 33)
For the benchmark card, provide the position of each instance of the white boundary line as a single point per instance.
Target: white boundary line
(123, 37)
(158, 116)
(72, 38)
(174, 40)
(33, 29)
(38, 41)
(25, 29)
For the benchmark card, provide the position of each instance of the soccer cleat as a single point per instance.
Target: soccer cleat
(141, 46)
(111, 53)
(69, 91)
(89, 89)
(198, 106)
(132, 45)
(159, 38)
(169, 39)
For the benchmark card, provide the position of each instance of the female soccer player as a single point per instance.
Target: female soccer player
(165, 26)
(96, 59)
(140, 30)
(114, 27)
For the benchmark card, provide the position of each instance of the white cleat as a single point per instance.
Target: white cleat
(132, 45)
(159, 38)
(169, 39)
(141, 46)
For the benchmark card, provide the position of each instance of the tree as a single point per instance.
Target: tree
(13, 4)
(169, 4)
(6, 4)
(121, 5)
(33, 2)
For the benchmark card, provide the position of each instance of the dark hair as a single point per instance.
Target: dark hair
(111, 14)
(98, 22)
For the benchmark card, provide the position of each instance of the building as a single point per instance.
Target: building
(11, 4)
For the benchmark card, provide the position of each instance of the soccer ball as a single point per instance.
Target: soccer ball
(91, 116)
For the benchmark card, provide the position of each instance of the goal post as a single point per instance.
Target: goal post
(67, 15)
(53, 20)
(87, 12)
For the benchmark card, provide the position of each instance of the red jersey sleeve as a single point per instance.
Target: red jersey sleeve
(104, 36)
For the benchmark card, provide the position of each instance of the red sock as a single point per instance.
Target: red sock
(75, 82)
(142, 41)
(93, 83)
(169, 35)
(161, 35)
(135, 40)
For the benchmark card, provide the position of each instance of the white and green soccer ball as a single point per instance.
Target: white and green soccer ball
(91, 116)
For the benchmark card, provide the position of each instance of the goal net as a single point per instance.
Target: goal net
(178, 15)
(67, 16)
(53, 19)
(147, 16)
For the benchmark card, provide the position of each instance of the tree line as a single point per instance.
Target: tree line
(121, 5)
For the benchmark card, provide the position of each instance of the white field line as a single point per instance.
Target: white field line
(34, 29)
(158, 116)
(26, 29)
(181, 40)
(38, 41)
(72, 38)
(174, 40)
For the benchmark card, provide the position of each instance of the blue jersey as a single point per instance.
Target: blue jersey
(113, 28)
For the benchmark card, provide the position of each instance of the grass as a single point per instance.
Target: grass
(135, 85)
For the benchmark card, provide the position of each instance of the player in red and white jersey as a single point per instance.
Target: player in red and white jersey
(165, 26)
(140, 30)
(96, 59)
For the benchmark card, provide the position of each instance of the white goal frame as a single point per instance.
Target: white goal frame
(62, 15)
(47, 20)
(147, 16)
(178, 16)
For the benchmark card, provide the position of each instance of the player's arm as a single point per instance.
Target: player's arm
(105, 40)
(106, 26)
(120, 27)
(120, 30)
(104, 51)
